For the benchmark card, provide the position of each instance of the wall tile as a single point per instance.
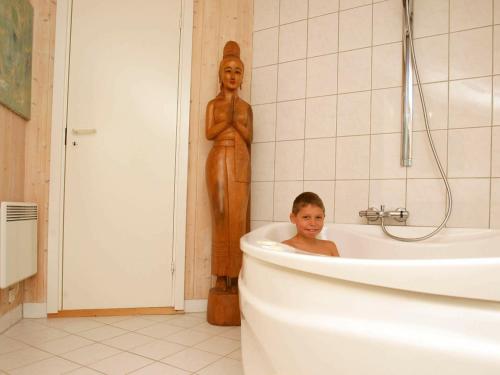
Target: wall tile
(471, 203)
(468, 14)
(326, 191)
(469, 152)
(292, 80)
(471, 53)
(265, 14)
(289, 160)
(386, 110)
(321, 117)
(322, 35)
(432, 58)
(430, 17)
(385, 156)
(262, 200)
(470, 102)
(355, 28)
(265, 47)
(264, 122)
(436, 102)
(426, 202)
(319, 159)
(263, 161)
(355, 70)
(320, 7)
(496, 50)
(264, 81)
(322, 75)
(424, 164)
(495, 149)
(292, 10)
(496, 11)
(387, 66)
(352, 159)
(256, 224)
(290, 120)
(496, 100)
(350, 198)
(353, 113)
(495, 203)
(347, 4)
(387, 22)
(284, 194)
(391, 193)
(293, 41)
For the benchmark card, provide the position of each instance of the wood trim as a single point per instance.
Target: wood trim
(115, 312)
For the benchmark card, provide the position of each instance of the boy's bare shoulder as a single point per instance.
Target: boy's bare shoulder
(330, 246)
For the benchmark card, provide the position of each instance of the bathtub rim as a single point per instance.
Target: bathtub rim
(454, 277)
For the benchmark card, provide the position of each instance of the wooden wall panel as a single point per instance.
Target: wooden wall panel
(38, 132)
(215, 22)
(25, 147)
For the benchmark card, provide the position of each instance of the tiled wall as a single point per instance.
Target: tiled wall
(326, 96)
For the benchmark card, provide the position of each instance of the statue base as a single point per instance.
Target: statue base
(223, 307)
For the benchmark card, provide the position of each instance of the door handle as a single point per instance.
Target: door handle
(83, 131)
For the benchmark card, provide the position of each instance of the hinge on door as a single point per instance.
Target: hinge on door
(65, 135)
(172, 268)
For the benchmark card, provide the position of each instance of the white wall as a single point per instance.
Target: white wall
(326, 95)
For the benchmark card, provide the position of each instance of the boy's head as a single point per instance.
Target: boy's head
(308, 214)
(305, 199)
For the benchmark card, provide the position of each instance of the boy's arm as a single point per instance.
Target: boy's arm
(333, 249)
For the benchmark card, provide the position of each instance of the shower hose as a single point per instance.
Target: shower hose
(429, 136)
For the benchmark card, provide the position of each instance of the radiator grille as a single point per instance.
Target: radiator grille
(19, 213)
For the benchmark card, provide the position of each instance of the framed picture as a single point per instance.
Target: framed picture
(16, 45)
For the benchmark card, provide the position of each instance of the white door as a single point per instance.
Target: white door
(120, 154)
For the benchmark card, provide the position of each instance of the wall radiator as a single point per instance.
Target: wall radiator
(18, 241)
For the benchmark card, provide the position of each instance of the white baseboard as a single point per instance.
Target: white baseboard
(195, 305)
(10, 318)
(34, 310)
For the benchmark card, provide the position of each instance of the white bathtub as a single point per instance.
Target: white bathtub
(384, 307)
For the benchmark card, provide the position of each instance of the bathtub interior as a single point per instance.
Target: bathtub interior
(369, 242)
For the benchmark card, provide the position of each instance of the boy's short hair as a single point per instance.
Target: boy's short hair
(307, 198)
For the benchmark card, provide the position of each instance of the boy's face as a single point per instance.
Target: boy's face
(309, 221)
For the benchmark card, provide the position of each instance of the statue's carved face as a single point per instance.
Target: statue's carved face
(231, 73)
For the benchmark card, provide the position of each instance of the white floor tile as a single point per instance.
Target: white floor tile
(219, 345)
(159, 330)
(41, 335)
(21, 357)
(158, 349)
(83, 371)
(211, 329)
(160, 369)
(73, 325)
(121, 363)
(186, 321)
(102, 333)
(235, 355)
(24, 326)
(224, 366)
(90, 354)
(234, 333)
(159, 318)
(8, 345)
(133, 324)
(188, 337)
(49, 366)
(128, 341)
(110, 319)
(64, 344)
(191, 359)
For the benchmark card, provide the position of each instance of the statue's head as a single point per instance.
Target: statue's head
(231, 67)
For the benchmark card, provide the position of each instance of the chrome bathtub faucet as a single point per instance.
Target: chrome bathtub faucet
(373, 214)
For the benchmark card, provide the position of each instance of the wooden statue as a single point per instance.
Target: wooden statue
(229, 125)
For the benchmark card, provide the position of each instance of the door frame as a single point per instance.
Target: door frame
(57, 154)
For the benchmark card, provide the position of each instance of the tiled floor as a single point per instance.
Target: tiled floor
(140, 345)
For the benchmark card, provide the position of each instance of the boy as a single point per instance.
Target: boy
(308, 215)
